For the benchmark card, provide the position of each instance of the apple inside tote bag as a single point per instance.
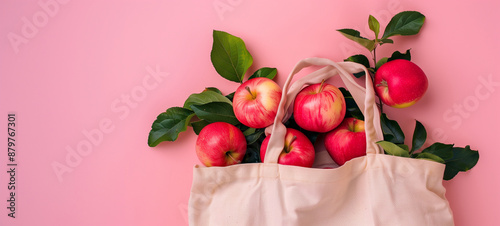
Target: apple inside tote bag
(376, 189)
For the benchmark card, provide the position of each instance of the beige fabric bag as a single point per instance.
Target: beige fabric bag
(376, 189)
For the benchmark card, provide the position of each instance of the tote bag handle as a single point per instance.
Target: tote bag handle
(364, 98)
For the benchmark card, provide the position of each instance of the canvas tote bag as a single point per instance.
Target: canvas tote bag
(376, 189)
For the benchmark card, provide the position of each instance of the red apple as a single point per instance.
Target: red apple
(400, 83)
(220, 144)
(298, 150)
(319, 107)
(347, 141)
(255, 102)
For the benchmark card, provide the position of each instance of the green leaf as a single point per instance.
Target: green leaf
(429, 156)
(213, 89)
(199, 125)
(399, 55)
(230, 96)
(216, 112)
(393, 149)
(249, 131)
(230, 56)
(392, 131)
(463, 159)
(252, 155)
(355, 36)
(374, 25)
(204, 97)
(352, 109)
(404, 23)
(445, 151)
(168, 125)
(404, 146)
(266, 72)
(419, 136)
(386, 40)
(381, 62)
(450, 173)
(241, 126)
(360, 59)
(255, 136)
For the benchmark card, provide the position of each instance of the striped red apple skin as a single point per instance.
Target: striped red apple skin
(298, 150)
(347, 141)
(319, 107)
(400, 83)
(220, 144)
(255, 102)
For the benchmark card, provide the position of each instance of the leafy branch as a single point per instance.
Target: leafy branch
(456, 159)
(404, 23)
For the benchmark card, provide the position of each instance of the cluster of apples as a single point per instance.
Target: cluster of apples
(317, 108)
(321, 108)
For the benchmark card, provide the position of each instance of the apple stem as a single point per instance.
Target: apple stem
(321, 86)
(230, 156)
(353, 125)
(373, 77)
(383, 83)
(380, 103)
(287, 147)
(250, 91)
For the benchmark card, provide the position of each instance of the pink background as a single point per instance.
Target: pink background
(84, 68)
